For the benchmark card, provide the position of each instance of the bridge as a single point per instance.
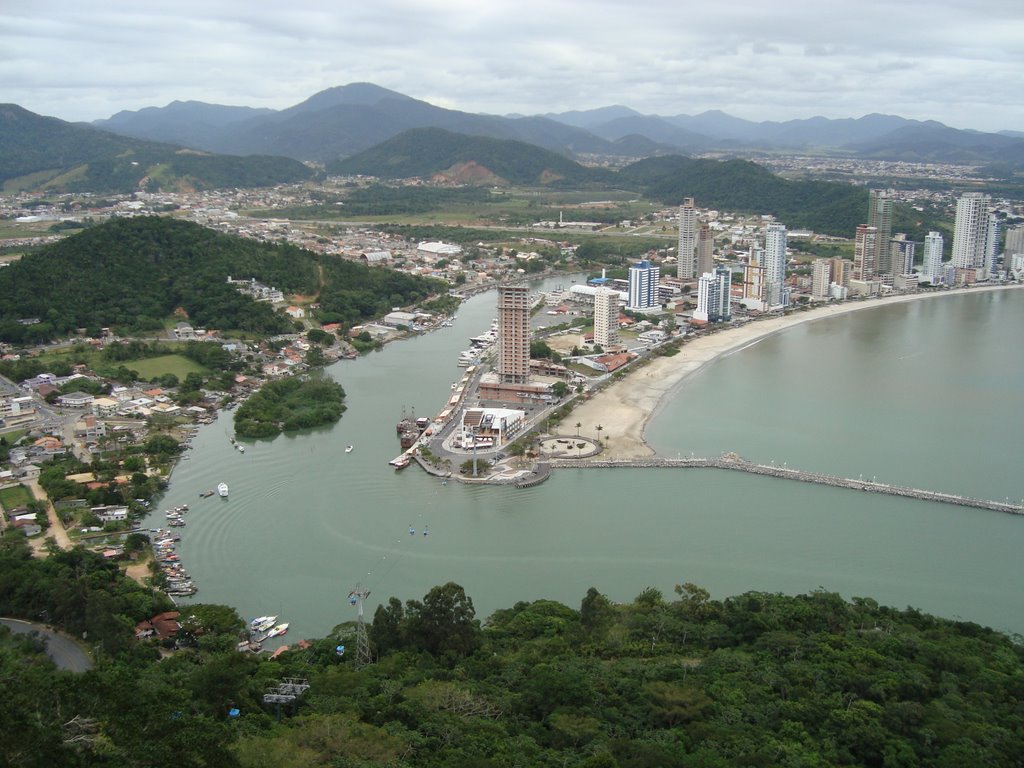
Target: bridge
(738, 464)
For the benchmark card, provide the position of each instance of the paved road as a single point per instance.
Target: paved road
(64, 651)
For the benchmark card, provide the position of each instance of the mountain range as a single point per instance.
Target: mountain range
(342, 121)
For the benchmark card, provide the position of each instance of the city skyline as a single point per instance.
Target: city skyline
(752, 61)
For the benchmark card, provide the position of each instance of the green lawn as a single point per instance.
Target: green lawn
(151, 367)
(18, 496)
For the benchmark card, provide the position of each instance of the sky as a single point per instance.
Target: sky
(961, 63)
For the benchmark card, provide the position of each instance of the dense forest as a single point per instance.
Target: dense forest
(288, 404)
(754, 680)
(133, 274)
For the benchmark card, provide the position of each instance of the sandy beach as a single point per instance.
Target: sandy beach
(624, 408)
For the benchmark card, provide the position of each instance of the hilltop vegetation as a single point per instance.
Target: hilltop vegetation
(46, 153)
(757, 680)
(135, 273)
(289, 404)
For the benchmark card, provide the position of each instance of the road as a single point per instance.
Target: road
(63, 650)
(56, 529)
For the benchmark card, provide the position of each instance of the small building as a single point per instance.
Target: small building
(76, 400)
(110, 513)
(295, 312)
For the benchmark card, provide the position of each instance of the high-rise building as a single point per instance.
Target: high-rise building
(513, 334)
(821, 278)
(971, 231)
(840, 271)
(992, 244)
(1014, 240)
(901, 253)
(705, 250)
(776, 293)
(865, 251)
(713, 296)
(931, 266)
(686, 253)
(880, 205)
(606, 317)
(643, 285)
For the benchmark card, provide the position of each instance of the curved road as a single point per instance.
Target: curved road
(64, 651)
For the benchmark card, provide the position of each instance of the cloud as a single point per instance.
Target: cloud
(755, 60)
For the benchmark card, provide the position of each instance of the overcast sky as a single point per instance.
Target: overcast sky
(958, 62)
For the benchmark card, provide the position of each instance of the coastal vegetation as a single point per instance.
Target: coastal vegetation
(136, 274)
(755, 679)
(290, 403)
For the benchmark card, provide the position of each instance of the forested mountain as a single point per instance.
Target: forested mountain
(46, 153)
(739, 185)
(185, 123)
(754, 680)
(431, 152)
(135, 273)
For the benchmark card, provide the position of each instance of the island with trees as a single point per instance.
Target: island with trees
(296, 402)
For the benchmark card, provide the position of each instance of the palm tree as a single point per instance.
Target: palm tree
(599, 428)
(578, 425)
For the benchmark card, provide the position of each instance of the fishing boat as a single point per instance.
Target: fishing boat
(222, 489)
(348, 449)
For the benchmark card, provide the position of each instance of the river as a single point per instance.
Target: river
(923, 393)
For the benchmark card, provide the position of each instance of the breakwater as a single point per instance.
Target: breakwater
(738, 464)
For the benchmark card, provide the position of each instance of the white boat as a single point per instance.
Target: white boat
(348, 449)
(222, 489)
(262, 623)
(240, 447)
(280, 629)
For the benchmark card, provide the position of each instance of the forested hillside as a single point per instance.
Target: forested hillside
(133, 274)
(754, 680)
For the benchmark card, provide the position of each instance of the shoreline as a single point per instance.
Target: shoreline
(625, 408)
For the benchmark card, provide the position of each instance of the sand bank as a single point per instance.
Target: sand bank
(624, 408)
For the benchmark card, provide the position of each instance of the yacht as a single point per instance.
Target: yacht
(222, 489)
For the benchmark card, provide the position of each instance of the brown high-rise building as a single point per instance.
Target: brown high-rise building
(705, 250)
(865, 251)
(880, 205)
(513, 334)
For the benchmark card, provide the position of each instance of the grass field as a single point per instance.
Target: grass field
(151, 367)
(18, 496)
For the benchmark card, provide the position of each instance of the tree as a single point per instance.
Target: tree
(559, 389)
(444, 622)
(596, 612)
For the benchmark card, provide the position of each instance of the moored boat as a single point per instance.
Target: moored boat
(262, 623)
(277, 631)
(222, 489)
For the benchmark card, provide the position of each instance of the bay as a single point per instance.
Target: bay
(923, 393)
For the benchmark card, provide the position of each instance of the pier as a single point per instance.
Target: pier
(738, 464)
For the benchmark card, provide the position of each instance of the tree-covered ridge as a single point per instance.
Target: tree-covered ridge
(755, 680)
(289, 404)
(134, 273)
(429, 151)
(81, 158)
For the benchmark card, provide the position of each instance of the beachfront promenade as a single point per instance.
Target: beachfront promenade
(738, 464)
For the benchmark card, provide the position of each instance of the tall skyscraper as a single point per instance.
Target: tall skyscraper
(606, 318)
(880, 217)
(992, 244)
(513, 334)
(776, 293)
(971, 231)
(821, 278)
(713, 296)
(902, 253)
(643, 285)
(865, 251)
(932, 264)
(840, 271)
(686, 253)
(705, 250)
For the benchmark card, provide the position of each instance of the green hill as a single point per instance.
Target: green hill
(135, 273)
(46, 153)
(432, 152)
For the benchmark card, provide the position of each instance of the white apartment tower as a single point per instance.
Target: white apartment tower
(1014, 240)
(971, 231)
(821, 278)
(932, 264)
(606, 317)
(643, 285)
(686, 253)
(513, 334)
(713, 296)
(775, 265)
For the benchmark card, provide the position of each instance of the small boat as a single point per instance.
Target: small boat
(206, 494)
(412, 531)
(277, 631)
(262, 623)
(222, 489)
(400, 462)
(348, 449)
(240, 447)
